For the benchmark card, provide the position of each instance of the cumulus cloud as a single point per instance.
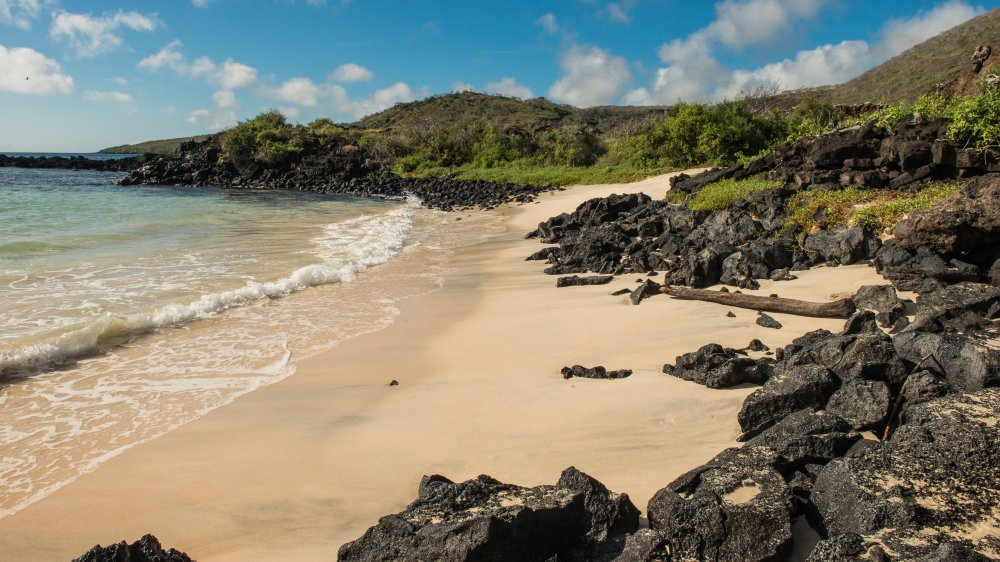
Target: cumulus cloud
(351, 72)
(224, 99)
(548, 23)
(460, 86)
(197, 116)
(168, 109)
(120, 98)
(230, 75)
(381, 99)
(20, 13)
(90, 36)
(591, 76)
(692, 72)
(300, 91)
(26, 71)
(200, 3)
(507, 86)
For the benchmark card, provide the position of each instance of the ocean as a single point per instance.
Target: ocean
(126, 312)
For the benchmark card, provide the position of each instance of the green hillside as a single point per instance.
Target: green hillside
(942, 59)
(450, 110)
(166, 147)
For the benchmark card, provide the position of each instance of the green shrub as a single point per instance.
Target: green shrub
(570, 146)
(721, 194)
(976, 119)
(267, 138)
(812, 118)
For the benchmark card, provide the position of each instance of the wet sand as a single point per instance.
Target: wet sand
(297, 468)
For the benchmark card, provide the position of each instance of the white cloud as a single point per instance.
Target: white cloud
(591, 76)
(237, 75)
(382, 99)
(197, 115)
(548, 23)
(26, 71)
(351, 72)
(90, 36)
(759, 22)
(200, 3)
(167, 57)
(20, 13)
(507, 86)
(119, 98)
(168, 109)
(231, 75)
(692, 73)
(289, 112)
(224, 99)
(116, 97)
(620, 11)
(120, 80)
(900, 35)
(460, 86)
(300, 91)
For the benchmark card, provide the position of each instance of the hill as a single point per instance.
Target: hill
(942, 59)
(453, 110)
(167, 147)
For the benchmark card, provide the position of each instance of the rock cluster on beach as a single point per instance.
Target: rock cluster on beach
(331, 168)
(146, 549)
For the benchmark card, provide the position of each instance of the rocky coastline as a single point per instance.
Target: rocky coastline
(332, 168)
(71, 163)
(877, 442)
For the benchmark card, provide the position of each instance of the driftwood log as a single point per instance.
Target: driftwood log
(836, 309)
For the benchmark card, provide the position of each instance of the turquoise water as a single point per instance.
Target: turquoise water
(126, 312)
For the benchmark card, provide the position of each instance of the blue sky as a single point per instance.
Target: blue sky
(82, 75)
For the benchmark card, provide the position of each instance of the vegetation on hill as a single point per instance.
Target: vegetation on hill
(166, 147)
(942, 59)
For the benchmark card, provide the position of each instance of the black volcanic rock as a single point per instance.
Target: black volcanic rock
(72, 163)
(768, 322)
(934, 479)
(146, 549)
(484, 519)
(735, 507)
(598, 372)
(717, 367)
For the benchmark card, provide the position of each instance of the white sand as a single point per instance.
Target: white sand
(297, 468)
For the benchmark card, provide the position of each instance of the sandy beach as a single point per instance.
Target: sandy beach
(295, 469)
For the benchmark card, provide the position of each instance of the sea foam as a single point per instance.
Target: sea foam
(345, 248)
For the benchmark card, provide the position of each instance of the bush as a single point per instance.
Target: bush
(570, 146)
(267, 137)
(721, 194)
(977, 118)
(812, 118)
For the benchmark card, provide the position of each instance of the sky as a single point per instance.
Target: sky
(83, 75)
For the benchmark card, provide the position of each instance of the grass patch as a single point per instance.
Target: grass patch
(877, 209)
(883, 215)
(548, 175)
(721, 194)
(675, 197)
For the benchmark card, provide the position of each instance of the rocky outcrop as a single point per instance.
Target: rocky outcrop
(72, 163)
(717, 367)
(932, 484)
(953, 241)
(327, 168)
(484, 519)
(146, 549)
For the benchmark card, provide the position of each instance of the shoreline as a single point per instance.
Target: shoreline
(297, 468)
